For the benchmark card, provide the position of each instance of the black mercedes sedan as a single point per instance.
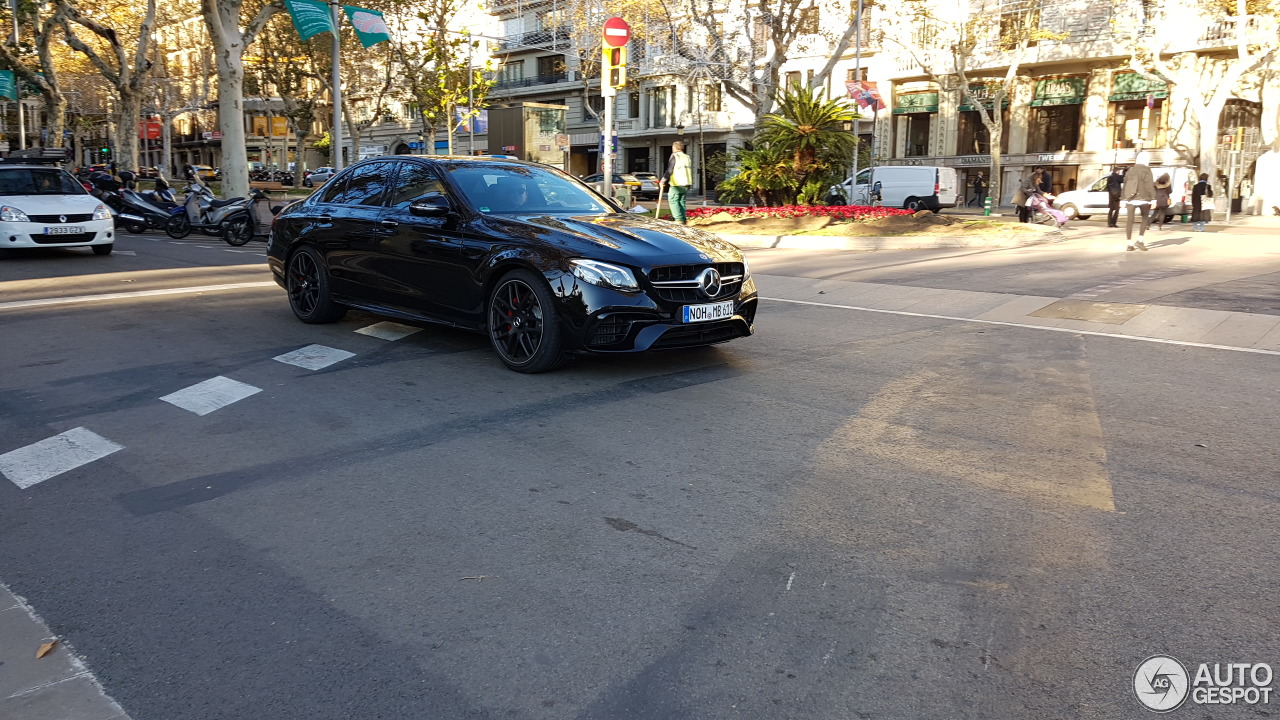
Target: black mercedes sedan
(520, 251)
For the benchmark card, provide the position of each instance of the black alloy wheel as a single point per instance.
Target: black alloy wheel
(307, 283)
(103, 249)
(238, 231)
(179, 226)
(524, 326)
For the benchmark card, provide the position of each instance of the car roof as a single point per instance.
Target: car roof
(28, 166)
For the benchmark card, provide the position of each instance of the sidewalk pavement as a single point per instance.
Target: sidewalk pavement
(1250, 332)
(57, 686)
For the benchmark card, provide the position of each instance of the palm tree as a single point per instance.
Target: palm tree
(811, 130)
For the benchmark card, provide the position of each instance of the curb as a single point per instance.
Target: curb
(832, 242)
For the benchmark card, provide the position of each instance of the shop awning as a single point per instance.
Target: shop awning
(1132, 86)
(915, 103)
(1060, 91)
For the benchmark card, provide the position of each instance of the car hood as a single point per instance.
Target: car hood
(628, 239)
(51, 204)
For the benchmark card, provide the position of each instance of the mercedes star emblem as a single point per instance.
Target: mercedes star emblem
(709, 282)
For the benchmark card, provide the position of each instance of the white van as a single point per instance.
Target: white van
(1092, 198)
(914, 187)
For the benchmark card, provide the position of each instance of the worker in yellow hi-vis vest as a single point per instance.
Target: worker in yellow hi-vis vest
(679, 175)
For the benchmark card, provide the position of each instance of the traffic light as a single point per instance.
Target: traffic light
(615, 66)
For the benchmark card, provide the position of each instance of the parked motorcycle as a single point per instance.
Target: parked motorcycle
(254, 221)
(129, 211)
(203, 211)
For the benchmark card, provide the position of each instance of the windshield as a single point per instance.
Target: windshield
(38, 181)
(523, 190)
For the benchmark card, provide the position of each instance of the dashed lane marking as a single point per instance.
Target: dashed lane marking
(314, 357)
(388, 331)
(49, 458)
(212, 394)
(136, 294)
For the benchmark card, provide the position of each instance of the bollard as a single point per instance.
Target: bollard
(986, 206)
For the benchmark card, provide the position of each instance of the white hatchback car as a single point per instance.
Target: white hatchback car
(43, 206)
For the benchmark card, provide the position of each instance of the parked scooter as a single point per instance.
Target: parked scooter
(202, 211)
(154, 217)
(254, 221)
(162, 196)
(110, 191)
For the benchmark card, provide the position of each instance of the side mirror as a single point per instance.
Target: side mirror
(430, 207)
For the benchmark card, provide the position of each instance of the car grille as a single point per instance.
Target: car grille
(43, 239)
(678, 283)
(701, 334)
(614, 329)
(83, 217)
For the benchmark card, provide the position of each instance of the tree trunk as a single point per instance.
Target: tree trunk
(125, 136)
(235, 161)
(993, 185)
(1207, 117)
(55, 106)
(166, 143)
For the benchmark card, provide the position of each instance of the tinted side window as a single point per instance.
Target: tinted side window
(415, 181)
(335, 189)
(367, 185)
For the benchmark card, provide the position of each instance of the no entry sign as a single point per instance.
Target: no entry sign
(616, 32)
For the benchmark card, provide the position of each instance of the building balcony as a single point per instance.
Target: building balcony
(510, 85)
(552, 39)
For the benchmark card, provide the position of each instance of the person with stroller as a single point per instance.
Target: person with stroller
(1038, 201)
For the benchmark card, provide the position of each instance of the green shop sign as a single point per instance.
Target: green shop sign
(1132, 86)
(982, 92)
(1060, 91)
(916, 103)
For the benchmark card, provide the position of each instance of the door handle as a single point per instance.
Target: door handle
(389, 224)
(324, 218)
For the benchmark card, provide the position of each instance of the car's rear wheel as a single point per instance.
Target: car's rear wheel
(307, 283)
(103, 249)
(524, 325)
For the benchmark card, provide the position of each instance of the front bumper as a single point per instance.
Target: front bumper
(602, 320)
(35, 235)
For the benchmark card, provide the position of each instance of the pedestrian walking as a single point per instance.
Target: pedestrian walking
(679, 176)
(1026, 188)
(1202, 203)
(1138, 194)
(979, 189)
(1115, 183)
(1164, 187)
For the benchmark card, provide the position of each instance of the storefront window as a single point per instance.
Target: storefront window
(915, 113)
(1054, 128)
(917, 134)
(1137, 124)
(975, 139)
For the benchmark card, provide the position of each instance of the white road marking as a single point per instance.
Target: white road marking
(135, 294)
(125, 252)
(314, 357)
(790, 580)
(205, 397)
(1161, 341)
(388, 330)
(48, 458)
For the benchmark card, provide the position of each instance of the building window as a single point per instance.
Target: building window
(550, 66)
(807, 23)
(916, 132)
(974, 137)
(593, 102)
(1054, 128)
(712, 97)
(658, 99)
(1018, 20)
(859, 75)
(633, 105)
(792, 79)
(511, 73)
(1135, 125)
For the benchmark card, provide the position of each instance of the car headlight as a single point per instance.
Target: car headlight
(12, 214)
(603, 274)
(101, 213)
(746, 268)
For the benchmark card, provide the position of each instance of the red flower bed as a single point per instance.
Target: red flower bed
(839, 212)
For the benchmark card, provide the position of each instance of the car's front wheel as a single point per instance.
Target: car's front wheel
(103, 249)
(524, 325)
(307, 283)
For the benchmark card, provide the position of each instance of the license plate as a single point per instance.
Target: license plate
(708, 312)
(64, 230)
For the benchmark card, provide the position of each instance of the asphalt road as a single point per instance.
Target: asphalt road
(849, 515)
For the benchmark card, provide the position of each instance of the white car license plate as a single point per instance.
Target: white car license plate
(708, 312)
(64, 230)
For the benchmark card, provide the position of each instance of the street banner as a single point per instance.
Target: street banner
(370, 26)
(865, 94)
(8, 88)
(310, 17)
